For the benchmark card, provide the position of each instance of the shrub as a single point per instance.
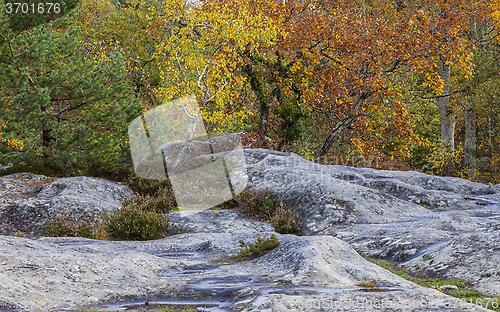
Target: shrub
(158, 203)
(449, 164)
(63, 227)
(137, 220)
(259, 205)
(284, 221)
(261, 246)
(134, 222)
(17, 234)
(148, 186)
(153, 193)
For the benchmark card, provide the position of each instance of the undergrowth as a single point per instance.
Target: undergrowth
(463, 291)
(260, 206)
(140, 218)
(257, 249)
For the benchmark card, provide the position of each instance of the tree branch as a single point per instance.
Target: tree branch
(27, 151)
(430, 97)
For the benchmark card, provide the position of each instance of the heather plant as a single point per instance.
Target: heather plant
(64, 227)
(158, 193)
(140, 218)
(137, 221)
(257, 249)
(259, 205)
(284, 221)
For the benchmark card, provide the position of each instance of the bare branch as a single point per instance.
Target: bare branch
(186, 112)
(27, 151)
(182, 70)
(394, 66)
(200, 78)
(430, 97)
(220, 89)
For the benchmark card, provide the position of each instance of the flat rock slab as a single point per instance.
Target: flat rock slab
(473, 257)
(216, 221)
(28, 201)
(68, 274)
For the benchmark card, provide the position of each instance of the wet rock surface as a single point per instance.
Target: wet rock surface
(28, 201)
(434, 226)
(301, 274)
(217, 221)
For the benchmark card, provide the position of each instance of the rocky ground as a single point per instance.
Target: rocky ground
(440, 226)
(434, 226)
(301, 274)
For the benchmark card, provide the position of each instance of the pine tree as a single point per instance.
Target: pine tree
(69, 111)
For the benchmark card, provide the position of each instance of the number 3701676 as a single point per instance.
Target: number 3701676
(25, 8)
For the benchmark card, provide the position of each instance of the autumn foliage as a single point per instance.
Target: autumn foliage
(302, 76)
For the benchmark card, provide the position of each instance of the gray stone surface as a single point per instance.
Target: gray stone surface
(435, 226)
(391, 215)
(61, 274)
(217, 221)
(27, 201)
(472, 257)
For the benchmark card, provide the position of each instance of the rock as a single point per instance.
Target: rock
(390, 215)
(446, 288)
(434, 226)
(200, 180)
(474, 258)
(216, 221)
(56, 274)
(28, 201)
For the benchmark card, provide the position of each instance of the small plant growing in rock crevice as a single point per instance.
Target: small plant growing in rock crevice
(64, 227)
(133, 222)
(17, 234)
(426, 258)
(284, 221)
(257, 249)
(257, 204)
(365, 284)
(260, 206)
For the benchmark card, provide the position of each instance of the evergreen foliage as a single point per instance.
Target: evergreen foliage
(70, 112)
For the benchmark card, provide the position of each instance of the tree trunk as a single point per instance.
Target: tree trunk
(264, 99)
(490, 141)
(470, 137)
(332, 136)
(343, 124)
(445, 109)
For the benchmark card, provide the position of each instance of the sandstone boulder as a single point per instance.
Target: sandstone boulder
(434, 226)
(28, 201)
